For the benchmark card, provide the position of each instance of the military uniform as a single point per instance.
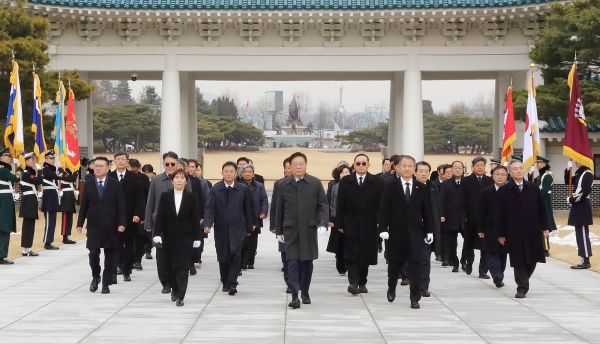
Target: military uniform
(545, 180)
(50, 199)
(28, 211)
(8, 220)
(580, 214)
(68, 198)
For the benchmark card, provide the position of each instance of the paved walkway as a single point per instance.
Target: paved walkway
(46, 299)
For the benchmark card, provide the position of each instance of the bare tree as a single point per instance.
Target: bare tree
(326, 114)
(459, 108)
(258, 112)
(304, 105)
(483, 105)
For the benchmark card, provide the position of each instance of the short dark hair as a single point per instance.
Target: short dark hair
(455, 161)
(338, 171)
(120, 153)
(402, 157)
(243, 158)
(500, 167)
(134, 163)
(384, 160)
(170, 154)
(447, 167)
(182, 161)
(423, 163)
(193, 161)
(103, 158)
(361, 154)
(393, 157)
(229, 163)
(147, 168)
(441, 168)
(298, 154)
(287, 161)
(180, 171)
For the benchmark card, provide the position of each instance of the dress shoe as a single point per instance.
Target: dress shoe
(138, 267)
(438, 259)
(463, 266)
(193, 270)
(127, 277)
(425, 293)
(94, 284)
(250, 266)
(148, 255)
(225, 289)
(415, 305)
(50, 247)
(405, 281)
(363, 289)
(585, 264)
(244, 267)
(343, 273)
(288, 290)
(469, 269)
(445, 263)
(114, 280)
(105, 289)
(119, 271)
(546, 254)
(166, 289)
(68, 241)
(282, 269)
(455, 269)
(498, 281)
(240, 273)
(30, 254)
(232, 290)
(391, 295)
(305, 299)
(352, 289)
(484, 276)
(179, 302)
(295, 303)
(520, 295)
(379, 250)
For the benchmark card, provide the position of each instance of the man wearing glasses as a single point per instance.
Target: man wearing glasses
(158, 185)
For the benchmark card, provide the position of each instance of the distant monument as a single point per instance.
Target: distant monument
(294, 133)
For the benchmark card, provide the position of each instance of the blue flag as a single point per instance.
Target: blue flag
(59, 125)
(37, 125)
(13, 135)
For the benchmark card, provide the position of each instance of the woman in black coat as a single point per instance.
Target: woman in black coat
(178, 223)
(337, 240)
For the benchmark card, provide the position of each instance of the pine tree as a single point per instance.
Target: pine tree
(148, 96)
(122, 93)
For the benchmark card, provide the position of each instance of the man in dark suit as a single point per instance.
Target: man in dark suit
(405, 221)
(202, 189)
(245, 161)
(442, 175)
(260, 208)
(521, 223)
(135, 206)
(580, 214)
(302, 212)
(356, 216)
(486, 226)
(451, 221)
(391, 172)
(386, 165)
(287, 171)
(103, 205)
(469, 200)
(229, 209)
(143, 239)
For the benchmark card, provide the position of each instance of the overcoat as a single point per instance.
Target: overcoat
(521, 218)
(336, 238)
(29, 203)
(356, 213)
(7, 204)
(469, 195)
(408, 222)
(260, 203)
(301, 208)
(450, 210)
(178, 230)
(273, 214)
(67, 199)
(545, 180)
(232, 218)
(104, 215)
(135, 202)
(486, 221)
(436, 208)
(581, 209)
(159, 184)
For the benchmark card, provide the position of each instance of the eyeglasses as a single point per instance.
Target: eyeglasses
(360, 163)
(500, 174)
(299, 164)
(169, 164)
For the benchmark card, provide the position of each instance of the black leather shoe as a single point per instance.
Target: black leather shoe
(232, 290)
(498, 281)
(30, 254)
(581, 266)
(193, 270)
(166, 289)
(173, 298)
(520, 295)
(463, 266)
(405, 281)
(295, 303)
(305, 299)
(425, 293)
(445, 263)
(94, 284)
(105, 289)
(50, 247)
(484, 276)
(114, 280)
(138, 267)
(288, 290)
(353, 289)
(546, 254)
(469, 269)
(455, 269)
(438, 259)
(126, 277)
(179, 302)
(119, 271)
(244, 267)
(391, 295)
(68, 241)
(250, 266)
(225, 289)
(282, 269)
(363, 289)
(415, 305)
(148, 255)
(240, 273)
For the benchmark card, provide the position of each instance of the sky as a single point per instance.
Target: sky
(356, 95)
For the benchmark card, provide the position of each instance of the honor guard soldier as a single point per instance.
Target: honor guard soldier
(31, 177)
(580, 214)
(8, 220)
(493, 164)
(545, 180)
(90, 170)
(68, 197)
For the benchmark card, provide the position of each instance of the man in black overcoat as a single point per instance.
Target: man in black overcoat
(452, 224)
(522, 222)
(357, 208)
(103, 205)
(143, 239)
(406, 222)
(287, 171)
(469, 196)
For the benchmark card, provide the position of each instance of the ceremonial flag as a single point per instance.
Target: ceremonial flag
(59, 125)
(577, 143)
(37, 124)
(531, 146)
(341, 109)
(510, 132)
(247, 103)
(13, 135)
(71, 141)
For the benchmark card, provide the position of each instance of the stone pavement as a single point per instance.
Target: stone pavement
(46, 299)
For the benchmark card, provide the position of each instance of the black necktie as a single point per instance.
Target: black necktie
(228, 192)
(360, 180)
(100, 188)
(120, 176)
(520, 187)
(407, 191)
(479, 180)
(458, 183)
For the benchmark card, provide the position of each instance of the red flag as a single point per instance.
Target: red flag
(577, 143)
(247, 103)
(510, 132)
(72, 142)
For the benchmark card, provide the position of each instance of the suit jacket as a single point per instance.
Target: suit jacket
(486, 221)
(436, 208)
(408, 222)
(135, 201)
(7, 203)
(145, 186)
(231, 217)
(450, 209)
(437, 183)
(260, 202)
(469, 199)
(178, 230)
(104, 215)
(159, 184)
(301, 208)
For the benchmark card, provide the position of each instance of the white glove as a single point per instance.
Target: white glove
(60, 193)
(196, 243)
(37, 166)
(16, 196)
(429, 238)
(569, 164)
(280, 239)
(384, 235)
(40, 194)
(16, 162)
(322, 231)
(76, 192)
(532, 169)
(157, 240)
(568, 198)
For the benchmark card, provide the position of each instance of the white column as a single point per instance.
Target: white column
(90, 126)
(397, 99)
(170, 118)
(192, 125)
(413, 142)
(391, 121)
(183, 113)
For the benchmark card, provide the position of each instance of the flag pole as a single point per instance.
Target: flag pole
(532, 66)
(571, 168)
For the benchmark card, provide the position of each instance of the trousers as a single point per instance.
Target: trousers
(178, 281)
(4, 241)
(67, 224)
(110, 255)
(126, 256)
(50, 226)
(522, 276)
(451, 243)
(27, 233)
(229, 270)
(584, 247)
(163, 275)
(357, 275)
(285, 267)
(426, 267)
(299, 275)
(249, 249)
(414, 269)
(497, 264)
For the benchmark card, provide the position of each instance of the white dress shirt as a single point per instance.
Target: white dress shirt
(178, 196)
(358, 176)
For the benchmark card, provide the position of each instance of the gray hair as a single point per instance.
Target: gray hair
(245, 166)
(343, 162)
(513, 161)
(182, 161)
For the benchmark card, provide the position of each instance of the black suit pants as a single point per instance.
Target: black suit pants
(126, 250)
(178, 281)
(299, 275)
(27, 233)
(357, 275)
(110, 255)
(142, 245)
(522, 276)
(67, 224)
(229, 271)
(584, 247)
(249, 250)
(50, 226)
(340, 262)
(415, 283)
(163, 275)
(451, 243)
